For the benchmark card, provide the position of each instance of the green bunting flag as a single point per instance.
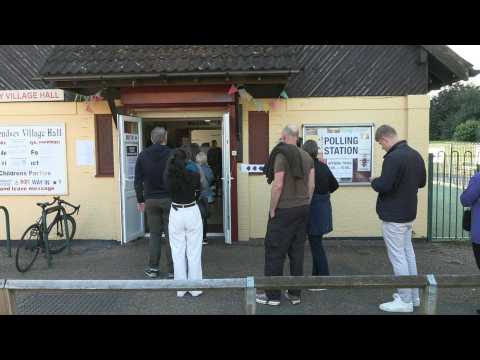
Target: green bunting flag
(284, 95)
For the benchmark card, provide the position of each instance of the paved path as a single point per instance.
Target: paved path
(346, 257)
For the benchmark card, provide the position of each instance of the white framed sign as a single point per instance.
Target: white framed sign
(347, 149)
(32, 95)
(33, 160)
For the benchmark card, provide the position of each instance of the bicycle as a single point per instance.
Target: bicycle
(39, 236)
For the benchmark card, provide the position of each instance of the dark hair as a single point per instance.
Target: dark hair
(311, 148)
(177, 176)
(205, 144)
(195, 149)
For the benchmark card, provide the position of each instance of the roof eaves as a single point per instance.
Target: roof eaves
(451, 60)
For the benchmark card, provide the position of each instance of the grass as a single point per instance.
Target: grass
(447, 213)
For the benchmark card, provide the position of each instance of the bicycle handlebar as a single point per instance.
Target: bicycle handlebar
(61, 202)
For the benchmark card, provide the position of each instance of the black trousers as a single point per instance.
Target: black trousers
(476, 253)
(158, 211)
(286, 235)
(319, 258)
(203, 206)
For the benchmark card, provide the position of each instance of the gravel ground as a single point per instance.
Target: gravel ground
(346, 257)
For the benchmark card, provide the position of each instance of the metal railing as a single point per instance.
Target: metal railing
(429, 284)
(7, 230)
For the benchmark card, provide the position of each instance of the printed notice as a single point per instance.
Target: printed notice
(346, 149)
(33, 160)
(85, 153)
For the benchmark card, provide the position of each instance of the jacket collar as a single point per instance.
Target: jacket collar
(396, 146)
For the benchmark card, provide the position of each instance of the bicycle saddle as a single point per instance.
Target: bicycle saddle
(42, 205)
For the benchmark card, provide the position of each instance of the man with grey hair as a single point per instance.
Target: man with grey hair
(403, 173)
(290, 171)
(153, 197)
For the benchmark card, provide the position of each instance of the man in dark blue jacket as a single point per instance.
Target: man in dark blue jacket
(403, 173)
(153, 197)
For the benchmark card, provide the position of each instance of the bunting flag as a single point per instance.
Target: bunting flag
(244, 95)
(232, 90)
(259, 105)
(284, 95)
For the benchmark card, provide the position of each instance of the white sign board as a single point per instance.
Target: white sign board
(131, 150)
(85, 153)
(33, 160)
(32, 95)
(346, 149)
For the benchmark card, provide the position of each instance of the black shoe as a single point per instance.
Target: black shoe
(205, 242)
(151, 272)
(295, 300)
(264, 300)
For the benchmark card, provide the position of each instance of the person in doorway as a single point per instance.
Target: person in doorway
(152, 197)
(320, 221)
(206, 196)
(469, 198)
(214, 157)
(290, 171)
(403, 173)
(185, 223)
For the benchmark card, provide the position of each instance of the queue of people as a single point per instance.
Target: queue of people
(301, 188)
(174, 188)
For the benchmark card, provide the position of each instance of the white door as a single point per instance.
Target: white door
(130, 129)
(226, 179)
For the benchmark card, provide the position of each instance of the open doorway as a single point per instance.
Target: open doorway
(204, 132)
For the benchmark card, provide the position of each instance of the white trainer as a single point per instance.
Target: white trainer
(397, 305)
(317, 289)
(416, 302)
(195, 293)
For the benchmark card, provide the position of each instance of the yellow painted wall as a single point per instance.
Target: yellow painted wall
(353, 207)
(99, 216)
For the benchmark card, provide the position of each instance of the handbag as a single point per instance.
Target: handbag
(467, 220)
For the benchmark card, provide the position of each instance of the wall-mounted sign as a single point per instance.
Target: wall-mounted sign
(131, 150)
(347, 149)
(32, 95)
(252, 168)
(33, 160)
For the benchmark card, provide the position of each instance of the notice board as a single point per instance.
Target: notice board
(33, 160)
(347, 150)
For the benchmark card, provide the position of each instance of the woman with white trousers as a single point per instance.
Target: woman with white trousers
(185, 226)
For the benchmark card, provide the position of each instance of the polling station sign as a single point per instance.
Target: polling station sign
(346, 149)
(33, 160)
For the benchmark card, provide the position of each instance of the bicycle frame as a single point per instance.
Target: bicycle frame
(61, 212)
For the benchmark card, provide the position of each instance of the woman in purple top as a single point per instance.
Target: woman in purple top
(470, 198)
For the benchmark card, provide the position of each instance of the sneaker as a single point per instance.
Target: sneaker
(181, 293)
(151, 272)
(317, 289)
(264, 300)
(397, 305)
(205, 242)
(295, 300)
(416, 302)
(196, 293)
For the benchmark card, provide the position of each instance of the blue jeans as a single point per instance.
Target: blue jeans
(320, 263)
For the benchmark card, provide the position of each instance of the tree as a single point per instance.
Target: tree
(467, 131)
(452, 107)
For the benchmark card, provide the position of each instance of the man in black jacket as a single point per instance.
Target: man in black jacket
(153, 197)
(403, 173)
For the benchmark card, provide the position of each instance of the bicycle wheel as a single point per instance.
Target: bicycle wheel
(57, 239)
(28, 248)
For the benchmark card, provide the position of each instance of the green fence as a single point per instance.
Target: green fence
(449, 174)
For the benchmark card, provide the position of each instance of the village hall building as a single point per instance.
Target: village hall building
(73, 119)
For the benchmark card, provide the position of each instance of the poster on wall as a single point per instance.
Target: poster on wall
(347, 149)
(33, 160)
(131, 150)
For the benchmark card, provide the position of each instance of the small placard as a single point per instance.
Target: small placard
(252, 168)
